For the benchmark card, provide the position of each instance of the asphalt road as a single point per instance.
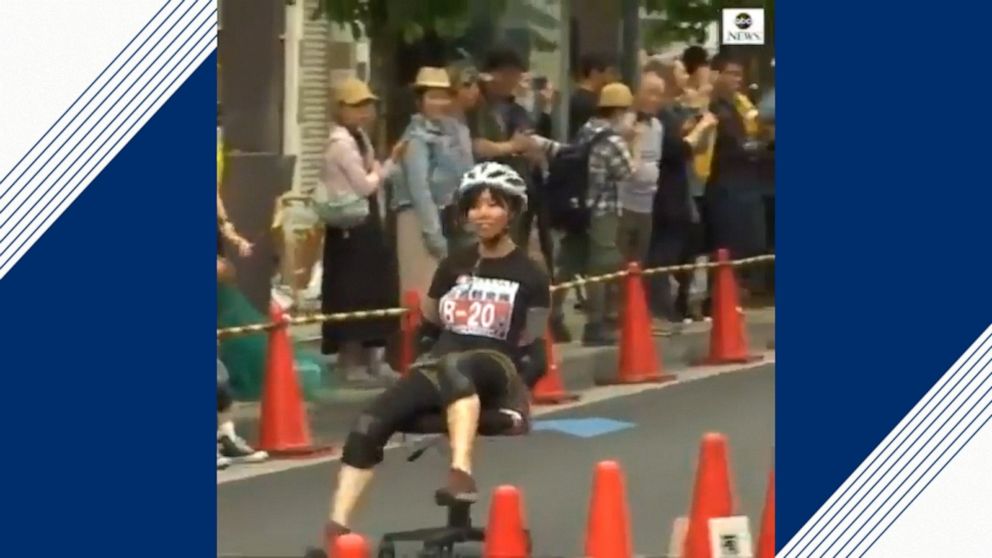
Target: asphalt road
(281, 514)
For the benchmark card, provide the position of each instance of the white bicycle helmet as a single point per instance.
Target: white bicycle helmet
(495, 176)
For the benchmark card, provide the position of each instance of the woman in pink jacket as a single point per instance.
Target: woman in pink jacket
(359, 265)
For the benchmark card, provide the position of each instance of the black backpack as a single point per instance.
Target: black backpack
(567, 185)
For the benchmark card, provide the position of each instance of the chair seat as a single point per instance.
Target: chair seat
(492, 422)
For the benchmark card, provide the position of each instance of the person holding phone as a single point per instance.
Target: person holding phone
(676, 228)
(502, 132)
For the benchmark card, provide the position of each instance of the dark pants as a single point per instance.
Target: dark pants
(537, 215)
(672, 243)
(225, 398)
(770, 240)
(573, 255)
(634, 236)
(602, 299)
(736, 221)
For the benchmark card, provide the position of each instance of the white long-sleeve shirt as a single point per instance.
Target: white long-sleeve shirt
(637, 192)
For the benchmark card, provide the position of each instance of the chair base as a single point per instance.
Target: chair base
(438, 542)
(435, 541)
(458, 529)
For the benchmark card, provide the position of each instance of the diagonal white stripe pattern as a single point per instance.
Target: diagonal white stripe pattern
(111, 111)
(905, 463)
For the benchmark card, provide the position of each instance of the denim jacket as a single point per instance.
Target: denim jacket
(436, 158)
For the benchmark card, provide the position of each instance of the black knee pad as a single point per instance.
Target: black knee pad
(454, 382)
(363, 448)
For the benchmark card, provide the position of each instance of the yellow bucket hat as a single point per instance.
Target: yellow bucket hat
(616, 95)
(353, 91)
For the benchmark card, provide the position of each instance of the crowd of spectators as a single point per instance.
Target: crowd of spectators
(669, 173)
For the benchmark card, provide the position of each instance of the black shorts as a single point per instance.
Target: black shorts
(426, 391)
(493, 375)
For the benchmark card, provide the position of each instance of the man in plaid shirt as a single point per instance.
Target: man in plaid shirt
(610, 163)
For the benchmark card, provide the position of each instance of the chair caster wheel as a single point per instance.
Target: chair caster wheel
(387, 550)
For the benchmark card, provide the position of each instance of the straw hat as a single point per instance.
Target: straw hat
(615, 95)
(353, 91)
(433, 78)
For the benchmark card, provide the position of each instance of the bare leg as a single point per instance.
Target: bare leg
(463, 421)
(352, 483)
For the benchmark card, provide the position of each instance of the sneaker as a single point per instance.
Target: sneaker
(238, 451)
(460, 488)
(222, 462)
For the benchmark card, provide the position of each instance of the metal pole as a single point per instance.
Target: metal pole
(560, 116)
(630, 32)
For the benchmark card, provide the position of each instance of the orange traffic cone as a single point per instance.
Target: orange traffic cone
(728, 337)
(409, 324)
(766, 540)
(350, 546)
(608, 531)
(506, 536)
(712, 495)
(550, 389)
(639, 362)
(284, 429)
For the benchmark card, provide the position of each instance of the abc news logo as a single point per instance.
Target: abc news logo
(744, 26)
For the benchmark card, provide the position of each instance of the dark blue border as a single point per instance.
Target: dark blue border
(109, 331)
(883, 210)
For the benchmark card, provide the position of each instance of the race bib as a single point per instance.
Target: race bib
(479, 306)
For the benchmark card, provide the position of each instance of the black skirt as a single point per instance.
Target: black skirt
(360, 273)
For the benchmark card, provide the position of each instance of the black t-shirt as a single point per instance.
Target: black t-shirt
(483, 303)
(581, 108)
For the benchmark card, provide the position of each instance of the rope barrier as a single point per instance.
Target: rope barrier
(312, 319)
(397, 312)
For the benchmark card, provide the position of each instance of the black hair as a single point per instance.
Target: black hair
(595, 62)
(724, 59)
(469, 199)
(694, 57)
(502, 57)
